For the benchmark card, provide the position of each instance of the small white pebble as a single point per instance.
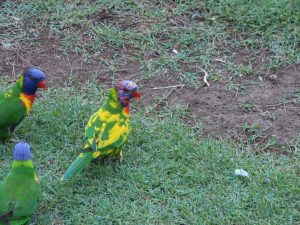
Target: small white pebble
(15, 18)
(241, 172)
(175, 51)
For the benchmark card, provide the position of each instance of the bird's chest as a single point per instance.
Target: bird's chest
(27, 101)
(115, 130)
(113, 133)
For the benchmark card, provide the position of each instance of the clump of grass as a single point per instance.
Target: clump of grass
(169, 175)
(148, 31)
(275, 23)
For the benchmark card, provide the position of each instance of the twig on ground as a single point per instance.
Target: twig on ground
(13, 71)
(45, 50)
(278, 104)
(220, 60)
(173, 86)
(205, 77)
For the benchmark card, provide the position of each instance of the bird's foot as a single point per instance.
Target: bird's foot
(8, 140)
(13, 140)
(121, 157)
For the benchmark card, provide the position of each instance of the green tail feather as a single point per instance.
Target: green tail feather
(20, 222)
(5, 221)
(78, 165)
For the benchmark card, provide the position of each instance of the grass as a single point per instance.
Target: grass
(169, 176)
(274, 21)
(150, 30)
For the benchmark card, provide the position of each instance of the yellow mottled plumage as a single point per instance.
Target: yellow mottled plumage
(116, 133)
(105, 133)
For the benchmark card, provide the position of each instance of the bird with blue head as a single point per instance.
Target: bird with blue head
(32, 80)
(107, 130)
(17, 101)
(126, 90)
(20, 190)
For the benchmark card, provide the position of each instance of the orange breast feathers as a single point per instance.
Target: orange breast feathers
(27, 101)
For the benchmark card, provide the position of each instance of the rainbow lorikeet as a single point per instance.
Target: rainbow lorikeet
(108, 129)
(20, 190)
(17, 101)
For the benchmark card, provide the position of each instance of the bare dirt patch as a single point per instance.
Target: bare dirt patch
(267, 115)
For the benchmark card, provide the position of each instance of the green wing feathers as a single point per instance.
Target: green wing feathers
(105, 133)
(19, 197)
(25, 221)
(12, 112)
(92, 129)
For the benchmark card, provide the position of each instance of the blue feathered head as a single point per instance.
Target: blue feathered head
(22, 151)
(126, 90)
(32, 80)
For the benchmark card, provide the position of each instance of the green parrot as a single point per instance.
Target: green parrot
(108, 128)
(20, 190)
(17, 101)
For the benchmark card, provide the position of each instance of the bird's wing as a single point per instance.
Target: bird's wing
(13, 92)
(105, 131)
(11, 112)
(104, 134)
(6, 204)
(16, 205)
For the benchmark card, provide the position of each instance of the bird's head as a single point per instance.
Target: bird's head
(32, 80)
(22, 151)
(126, 90)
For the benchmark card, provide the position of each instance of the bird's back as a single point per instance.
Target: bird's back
(19, 196)
(108, 130)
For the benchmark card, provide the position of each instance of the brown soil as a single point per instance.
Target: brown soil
(268, 106)
(224, 114)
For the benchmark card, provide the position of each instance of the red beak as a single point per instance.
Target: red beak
(137, 95)
(42, 84)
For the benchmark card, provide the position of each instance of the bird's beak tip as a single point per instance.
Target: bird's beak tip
(137, 95)
(42, 84)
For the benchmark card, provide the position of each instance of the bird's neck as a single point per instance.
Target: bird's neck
(27, 101)
(23, 169)
(113, 105)
(15, 90)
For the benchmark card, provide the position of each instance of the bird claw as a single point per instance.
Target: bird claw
(9, 140)
(121, 157)
(12, 140)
